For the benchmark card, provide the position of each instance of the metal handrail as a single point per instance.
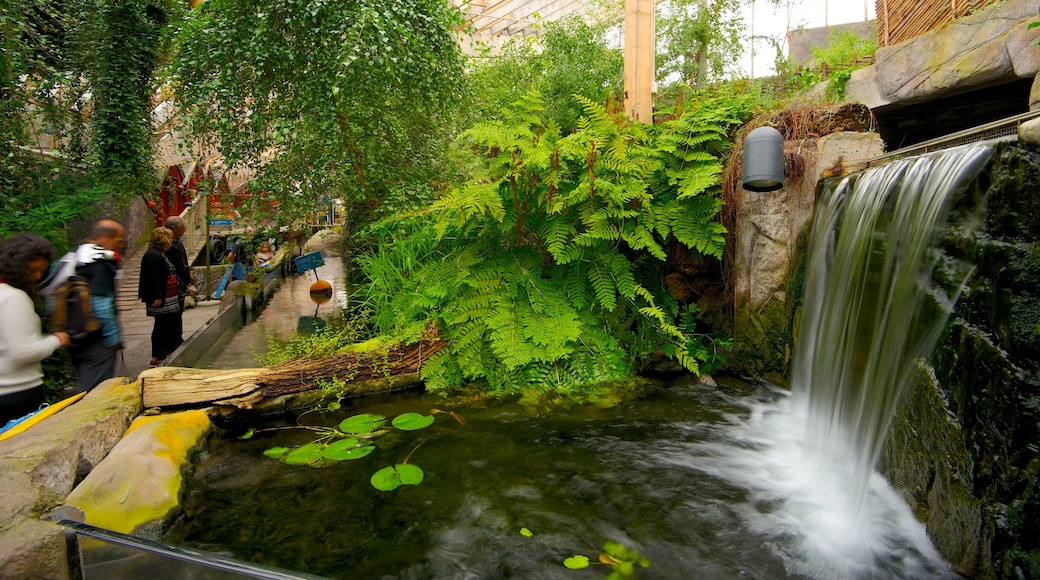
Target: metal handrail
(185, 554)
(958, 138)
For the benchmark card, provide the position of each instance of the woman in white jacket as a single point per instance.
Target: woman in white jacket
(23, 260)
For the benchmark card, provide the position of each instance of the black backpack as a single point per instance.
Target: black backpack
(70, 310)
(68, 300)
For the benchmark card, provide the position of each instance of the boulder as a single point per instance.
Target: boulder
(1029, 132)
(39, 467)
(33, 548)
(137, 488)
(990, 47)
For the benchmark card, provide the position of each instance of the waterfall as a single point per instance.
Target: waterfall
(867, 313)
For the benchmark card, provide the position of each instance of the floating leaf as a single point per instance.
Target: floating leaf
(389, 478)
(334, 406)
(577, 562)
(340, 452)
(526, 533)
(276, 452)
(305, 454)
(248, 434)
(412, 421)
(343, 443)
(361, 424)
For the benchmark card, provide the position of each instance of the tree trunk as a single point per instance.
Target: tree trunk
(354, 374)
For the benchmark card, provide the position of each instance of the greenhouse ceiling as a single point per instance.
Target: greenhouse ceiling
(511, 17)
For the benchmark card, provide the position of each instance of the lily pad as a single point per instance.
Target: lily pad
(577, 562)
(412, 421)
(389, 478)
(305, 454)
(347, 449)
(276, 452)
(361, 424)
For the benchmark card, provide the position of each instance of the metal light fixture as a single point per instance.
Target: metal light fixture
(764, 163)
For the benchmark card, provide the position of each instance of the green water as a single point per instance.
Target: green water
(650, 474)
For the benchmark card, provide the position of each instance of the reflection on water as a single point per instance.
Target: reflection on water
(289, 310)
(706, 482)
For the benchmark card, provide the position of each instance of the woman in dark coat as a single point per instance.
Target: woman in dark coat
(159, 293)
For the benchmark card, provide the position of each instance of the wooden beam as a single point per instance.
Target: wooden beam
(502, 11)
(639, 59)
(525, 15)
(547, 13)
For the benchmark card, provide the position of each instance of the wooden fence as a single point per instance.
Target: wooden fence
(899, 20)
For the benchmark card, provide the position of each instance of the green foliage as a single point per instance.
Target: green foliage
(350, 440)
(836, 84)
(569, 57)
(1033, 25)
(621, 559)
(840, 57)
(124, 36)
(63, 62)
(344, 99)
(59, 374)
(390, 478)
(699, 41)
(842, 48)
(324, 342)
(544, 271)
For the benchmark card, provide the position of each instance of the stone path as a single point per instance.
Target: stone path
(137, 326)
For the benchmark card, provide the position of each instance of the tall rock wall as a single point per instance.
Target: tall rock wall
(771, 231)
(963, 447)
(990, 47)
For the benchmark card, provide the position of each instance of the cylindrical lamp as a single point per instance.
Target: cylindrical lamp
(764, 164)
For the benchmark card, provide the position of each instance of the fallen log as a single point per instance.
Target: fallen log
(296, 382)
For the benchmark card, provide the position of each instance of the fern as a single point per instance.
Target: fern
(542, 271)
(603, 286)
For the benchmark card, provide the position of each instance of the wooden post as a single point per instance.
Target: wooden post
(639, 60)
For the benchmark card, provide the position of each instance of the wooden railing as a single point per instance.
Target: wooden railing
(857, 61)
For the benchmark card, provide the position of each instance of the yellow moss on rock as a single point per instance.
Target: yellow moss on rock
(139, 484)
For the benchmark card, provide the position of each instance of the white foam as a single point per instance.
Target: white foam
(801, 503)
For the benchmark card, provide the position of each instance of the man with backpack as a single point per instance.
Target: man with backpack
(99, 263)
(239, 256)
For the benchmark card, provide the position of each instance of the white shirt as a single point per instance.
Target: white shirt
(22, 343)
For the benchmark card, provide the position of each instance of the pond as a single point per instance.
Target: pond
(703, 481)
(288, 310)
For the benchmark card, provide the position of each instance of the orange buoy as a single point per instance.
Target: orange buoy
(321, 292)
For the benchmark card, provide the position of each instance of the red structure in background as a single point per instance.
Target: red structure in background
(175, 193)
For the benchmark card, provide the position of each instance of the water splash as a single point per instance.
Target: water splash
(800, 503)
(869, 265)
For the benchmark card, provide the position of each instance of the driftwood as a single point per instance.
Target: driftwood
(359, 373)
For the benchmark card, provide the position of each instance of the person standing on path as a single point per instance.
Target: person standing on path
(158, 289)
(99, 262)
(178, 256)
(23, 260)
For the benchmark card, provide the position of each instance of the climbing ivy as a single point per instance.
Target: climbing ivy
(544, 271)
(337, 99)
(125, 39)
(76, 76)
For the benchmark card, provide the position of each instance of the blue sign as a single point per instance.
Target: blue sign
(219, 222)
(309, 262)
